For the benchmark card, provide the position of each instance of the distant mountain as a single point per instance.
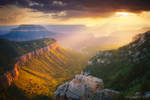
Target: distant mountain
(27, 32)
(6, 29)
(126, 69)
(65, 29)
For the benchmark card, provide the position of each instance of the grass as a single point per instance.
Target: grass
(123, 73)
(9, 50)
(41, 75)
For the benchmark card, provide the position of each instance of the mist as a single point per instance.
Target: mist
(107, 34)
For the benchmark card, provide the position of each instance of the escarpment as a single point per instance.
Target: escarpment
(8, 77)
(37, 52)
(39, 66)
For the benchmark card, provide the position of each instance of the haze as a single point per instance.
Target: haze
(99, 22)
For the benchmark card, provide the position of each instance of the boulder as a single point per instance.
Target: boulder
(105, 94)
(147, 94)
(138, 94)
(81, 87)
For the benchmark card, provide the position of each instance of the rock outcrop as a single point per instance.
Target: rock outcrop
(140, 95)
(82, 87)
(7, 78)
(105, 94)
(23, 59)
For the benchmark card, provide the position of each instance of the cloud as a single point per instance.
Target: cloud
(58, 3)
(14, 15)
(82, 8)
(11, 15)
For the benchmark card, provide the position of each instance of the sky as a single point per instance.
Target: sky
(88, 12)
(119, 19)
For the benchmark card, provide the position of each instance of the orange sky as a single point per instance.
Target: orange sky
(122, 24)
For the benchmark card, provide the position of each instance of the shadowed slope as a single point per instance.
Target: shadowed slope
(41, 75)
(126, 69)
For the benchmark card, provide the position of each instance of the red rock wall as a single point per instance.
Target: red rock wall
(7, 78)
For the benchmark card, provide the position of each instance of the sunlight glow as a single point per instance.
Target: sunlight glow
(123, 13)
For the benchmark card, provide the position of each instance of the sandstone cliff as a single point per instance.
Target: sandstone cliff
(84, 87)
(7, 78)
(81, 87)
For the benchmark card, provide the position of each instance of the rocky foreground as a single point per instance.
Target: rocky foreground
(84, 87)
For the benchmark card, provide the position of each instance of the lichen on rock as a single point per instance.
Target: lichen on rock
(81, 87)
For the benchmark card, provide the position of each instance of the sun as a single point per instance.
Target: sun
(123, 13)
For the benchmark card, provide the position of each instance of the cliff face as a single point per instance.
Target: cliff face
(7, 78)
(81, 87)
(23, 59)
(84, 87)
(126, 68)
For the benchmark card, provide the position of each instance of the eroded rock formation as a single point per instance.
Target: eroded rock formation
(7, 78)
(105, 94)
(82, 87)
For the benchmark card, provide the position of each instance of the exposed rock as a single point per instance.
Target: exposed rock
(130, 52)
(7, 78)
(81, 87)
(84, 87)
(108, 54)
(147, 94)
(98, 60)
(38, 52)
(137, 93)
(109, 93)
(105, 94)
(90, 62)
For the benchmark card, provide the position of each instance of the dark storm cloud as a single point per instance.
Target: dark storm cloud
(82, 8)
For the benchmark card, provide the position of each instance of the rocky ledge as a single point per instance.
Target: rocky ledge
(83, 87)
(7, 78)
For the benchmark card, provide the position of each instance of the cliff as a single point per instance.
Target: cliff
(125, 69)
(23, 59)
(7, 78)
(84, 87)
(81, 87)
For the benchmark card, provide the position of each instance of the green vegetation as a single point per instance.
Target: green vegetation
(123, 97)
(126, 69)
(28, 46)
(40, 76)
(10, 50)
(7, 54)
(92, 50)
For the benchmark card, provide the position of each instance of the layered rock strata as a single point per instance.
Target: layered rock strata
(7, 78)
(82, 87)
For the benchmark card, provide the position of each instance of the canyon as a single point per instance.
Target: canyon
(35, 68)
(39, 69)
(7, 78)
(125, 69)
